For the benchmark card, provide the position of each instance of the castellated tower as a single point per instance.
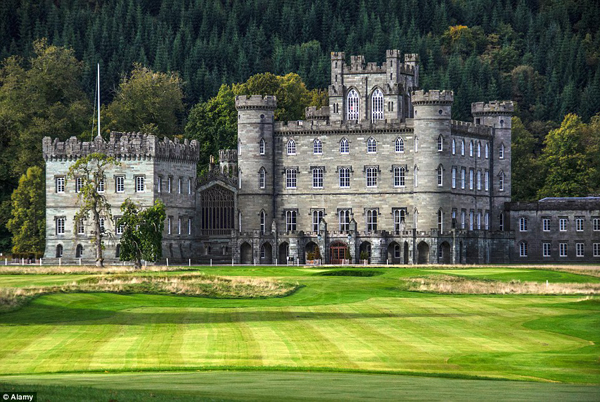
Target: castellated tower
(336, 89)
(432, 123)
(497, 114)
(255, 162)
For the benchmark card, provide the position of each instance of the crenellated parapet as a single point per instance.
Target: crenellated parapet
(312, 113)
(491, 108)
(327, 127)
(255, 102)
(432, 97)
(228, 155)
(123, 146)
(463, 127)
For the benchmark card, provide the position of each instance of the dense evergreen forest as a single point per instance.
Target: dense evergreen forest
(542, 54)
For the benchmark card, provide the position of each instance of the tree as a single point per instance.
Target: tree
(91, 171)
(142, 232)
(28, 222)
(147, 101)
(525, 167)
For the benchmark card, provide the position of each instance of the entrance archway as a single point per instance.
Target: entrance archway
(266, 254)
(284, 252)
(337, 253)
(365, 251)
(311, 251)
(246, 253)
(444, 256)
(423, 251)
(393, 253)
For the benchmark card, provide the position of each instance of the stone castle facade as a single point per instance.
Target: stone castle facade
(381, 174)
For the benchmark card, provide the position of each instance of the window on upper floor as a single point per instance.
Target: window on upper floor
(440, 176)
(399, 219)
(377, 105)
(487, 151)
(440, 143)
(453, 177)
(562, 224)
(479, 149)
(291, 147)
(120, 184)
(317, 177)
(471, 179)
(463, 178)
(290, 178)
(523, 224)
(546, 224)
(317, 147)
(261, 146)
(317, 215)
(471, 148)
(139, 184)
(479, 180)
(100, 187)
(416, 145)
(416, 177)
(371, 145)
(501, 151)
(60, 225)
(372, 220)
(78, 184)
(290, 221)
(579, 223)
(344, 177)
(263, 222)
(59, 184)
(179, 186)
(352, 111)
(487, 180)
(462, 147)
(262, 178)
(440, 220)
(344, 146)
(596, 224)
(344, 219)
(399, 145)
(399, 176)
(371, 176)
(501, 181)
(453, 146)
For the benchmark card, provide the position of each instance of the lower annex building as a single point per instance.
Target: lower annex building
(381, 174)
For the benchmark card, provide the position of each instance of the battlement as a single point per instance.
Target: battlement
(411, 58)
(358, 65)
(470, 128)
(122, 146)
(392, 53)
(268, 102)
(228, 155)
(432, 97)
(338, 56)
(493, 107)
(312, 113)
(327, 126)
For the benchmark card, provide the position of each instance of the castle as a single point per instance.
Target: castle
(383, 174)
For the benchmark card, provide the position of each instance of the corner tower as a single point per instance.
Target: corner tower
(432, 111)
(336, 89)
(256, 115)
(498, 114)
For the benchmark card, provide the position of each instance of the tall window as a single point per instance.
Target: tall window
(471, 220)
(291, 147)
(60, 226)
(501, 222)
(596, 249)
(487, 220)
(416, 145)
(189, 226)
(501, 151)
(317, 177)
(463, 177)
(371, 220)
(471, 148)
(159, 184)
(523, 224)
(316, 218)
(290, 221)
(78, 251)
(399, 219)
(290, 178)
(179, 186)
(463, 215)
(562, 250)
(81, 227)
(120, 184)
(377, 104)
(546, 250)
(487, 151)
(179, 225)
(371, 145)
(479, 180)
(169, 225)
(60, 184)
(453, 146)
(399, 145)
(317, 147)
(169, 184)
(139, 184)
(440, 143)
(501, 181)
(120, 228)
(352, 105)
(399, 176)
(416, 177)
(190, 185)
(78, 184)
(579, 224)
(440, 220)
(523, 249)
(579, 250)
(263, 222)
(344, 177)
(440, 176)
(546, 224)
(470, 179)
(261, 146)
(101, 185)
(487, 180)
(479, 220)
(562, 224)
(479, 149)
(596, 224)
(462, 147)
(102, 227)
(262, 178)
(371, 177)
(453, 177)
(344, 220)
(344, 146)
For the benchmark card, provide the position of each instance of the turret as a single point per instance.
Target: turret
(411, 60)
(336, 89)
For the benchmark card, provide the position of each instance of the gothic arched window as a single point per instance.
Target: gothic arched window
(291, 147)
(344, 147)
(261, 146)
(352, 105)
(377, 105)
(317, 147)
(399, 145)
(262, 178)
(371, 145)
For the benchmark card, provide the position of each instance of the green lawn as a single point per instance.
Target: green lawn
(332, 323)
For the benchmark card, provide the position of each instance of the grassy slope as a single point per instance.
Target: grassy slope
(333, 323)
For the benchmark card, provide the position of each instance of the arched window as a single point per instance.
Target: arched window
(59, 251)
(399, 176)
(352, 105)
(462, 147)
(377, 105)
(78, 251)
(440, 220)
(399, 145)
(262, 178)
(263, 222)
(415, 218)
(440, 143)
(317, 147)
(440, 176)
(471, 148)
(371, 145)
(523, 249)
(416, 176)
(416, 144)
(479, 149)
(501, 181)
(523, 224)
(501, 123)
(291, 147)
(261, 146)
(501, 151)
(453, 146)
(344, 146)
(487, 151)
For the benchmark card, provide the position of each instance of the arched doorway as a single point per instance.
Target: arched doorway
(444, 256)
(406, 253)
(311, 251)
(423, 251)
(365, 251)
(59, 251)
(284, 252)
(393, 253)
(246, 253)
(79, 251)
(266, 254)
(338, 252)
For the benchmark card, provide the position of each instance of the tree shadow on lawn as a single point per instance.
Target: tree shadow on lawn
(62, 315)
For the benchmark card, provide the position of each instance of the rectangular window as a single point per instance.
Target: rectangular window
(60, 226)
(399, 177)
(501, 222)
(471, 179)
(169, 225)
(317, 216)
(562, 224)
(546, 224)
(120, 228)
(463, 174)
(169, 182)
(262, 178)
(523, 224)
(471, 220)
(78, 184)
(179, 186)
(579, 224)
(562, 249)
(479, 180)
(523, 249)
(120, 184)
(290, 178)
(344, 220)
(60, 184)
(596, 224)
(596, 249)
(487, 181)
(178, 226)
(371, 220)
(81, 227)
(546, 250)
(159, 184)
(139, 184)
(579, 249)
(463, 219)
(317, 177)
(190, 226)
(487, 221)
(440, 176)
(371, 177)
(290, 221)
(189, 186)
(344, 177)
(101, 185)
(453, 177)
(478, 220)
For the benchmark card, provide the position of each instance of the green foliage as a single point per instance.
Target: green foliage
(148, 102)
(142, 232)
(526, 174)
(91, 169)
(28, 222)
